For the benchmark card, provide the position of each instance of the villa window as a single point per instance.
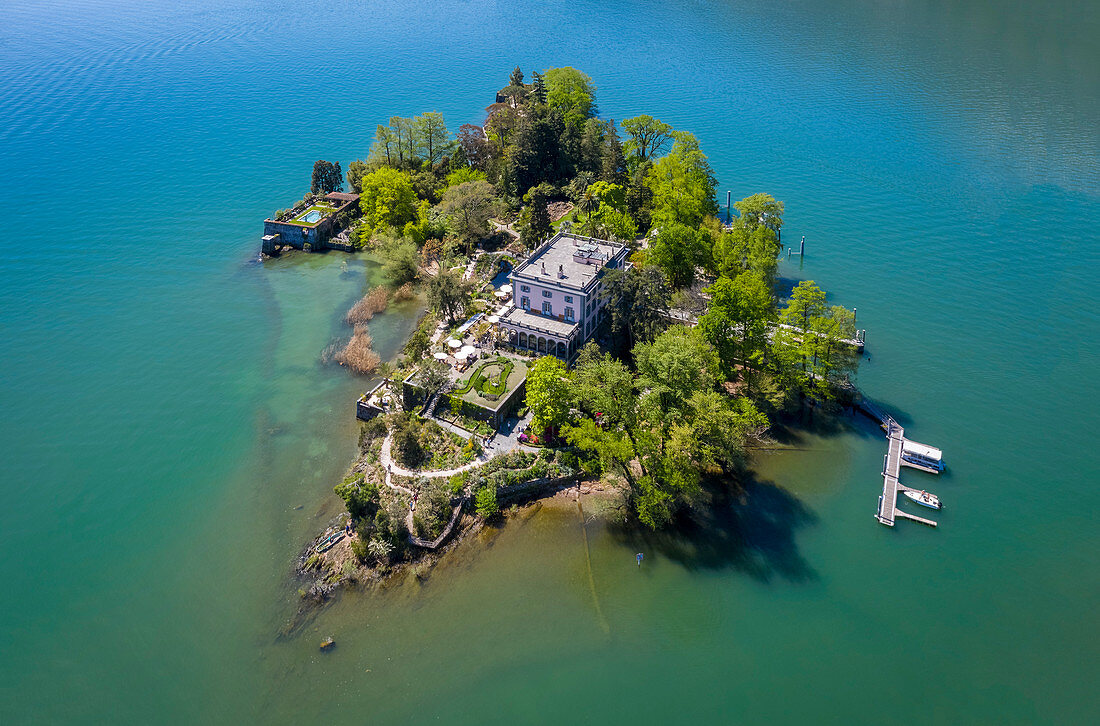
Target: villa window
(525, 302)
(525, 288)
(548, 309)
(568, 298)
(547, 293)
(569, 315)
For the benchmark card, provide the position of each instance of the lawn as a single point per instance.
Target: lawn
(324, 209)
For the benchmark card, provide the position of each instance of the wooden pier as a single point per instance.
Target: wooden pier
(888, 511)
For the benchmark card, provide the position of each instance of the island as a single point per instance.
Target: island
(596, 324)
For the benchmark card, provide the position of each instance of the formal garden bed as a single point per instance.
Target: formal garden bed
(491, 380)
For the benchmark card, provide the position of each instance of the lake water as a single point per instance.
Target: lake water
(165, 411)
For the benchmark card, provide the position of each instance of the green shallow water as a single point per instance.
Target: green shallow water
(164, 408)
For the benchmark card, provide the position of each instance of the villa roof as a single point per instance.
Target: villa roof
(569, 260)
(342, 197)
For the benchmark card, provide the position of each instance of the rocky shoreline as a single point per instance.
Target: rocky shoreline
(322, 576)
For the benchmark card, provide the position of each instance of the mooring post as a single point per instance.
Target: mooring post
(802, 247)
(729, 214)
(854, 314)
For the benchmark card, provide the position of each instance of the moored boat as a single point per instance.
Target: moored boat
(924, 498)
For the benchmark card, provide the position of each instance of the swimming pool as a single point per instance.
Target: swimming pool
(311, 217)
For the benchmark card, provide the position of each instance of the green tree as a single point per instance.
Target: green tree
(678, 250)
(548, 393)
(741, 249)
(516, 79)
(387, 199)
(538, 90)
(612, 195)
(464, 174)
(327, 177)
(637, 302)
(467, 208)
(639, 197)
(572, 93)
(448, 293)
(430, 136)
(674, 366)
(648, 138)
(360, 496)
(682, 184)
(400, 260)
(592, 146)
(535, 226)
(760, 210)
(613, 164)
(615, 224)
(537, 155)
(737, 320)
(796, 340)
(417, 344)
(356, 170)
(474, 144)
(405, 444)
(501, 125)
(579, 185)
(485, 502)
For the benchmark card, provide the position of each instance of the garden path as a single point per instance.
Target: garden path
(503, 442)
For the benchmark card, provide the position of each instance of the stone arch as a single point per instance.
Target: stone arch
(523, 340)
(561, 349)
(542, 344)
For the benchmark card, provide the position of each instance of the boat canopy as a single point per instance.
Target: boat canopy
(925, 452)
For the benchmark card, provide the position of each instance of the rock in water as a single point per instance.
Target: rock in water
(328, 644)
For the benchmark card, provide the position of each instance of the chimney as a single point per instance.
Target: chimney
(561, 271)
(544, 268)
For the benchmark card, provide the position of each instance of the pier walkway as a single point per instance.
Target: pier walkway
(888, 511)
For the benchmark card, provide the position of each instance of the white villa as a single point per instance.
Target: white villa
(556, 301)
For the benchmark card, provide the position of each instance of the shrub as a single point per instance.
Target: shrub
(370, 431)
(360, 496)
(457, 483)
(485, 502)
(406, 443)
(359, 549)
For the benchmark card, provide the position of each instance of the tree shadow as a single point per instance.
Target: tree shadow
(751, 532)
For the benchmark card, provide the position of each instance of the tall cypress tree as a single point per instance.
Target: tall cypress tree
(614, 166)
(539, 93)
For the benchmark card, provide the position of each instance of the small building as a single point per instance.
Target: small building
(311, 226)
(556, 294)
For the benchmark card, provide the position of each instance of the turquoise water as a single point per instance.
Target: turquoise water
(165, 409)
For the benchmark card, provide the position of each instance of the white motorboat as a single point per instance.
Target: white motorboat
(924, 499)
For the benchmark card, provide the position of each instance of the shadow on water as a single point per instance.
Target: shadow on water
(752, 533)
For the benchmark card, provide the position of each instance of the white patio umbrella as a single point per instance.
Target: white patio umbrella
(440, 355)
(468, 349)
(462, 355)
(501, 294)
(454, 343)
(493, 319)
(506, 289)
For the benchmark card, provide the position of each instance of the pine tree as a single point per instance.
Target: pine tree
(516, 79)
